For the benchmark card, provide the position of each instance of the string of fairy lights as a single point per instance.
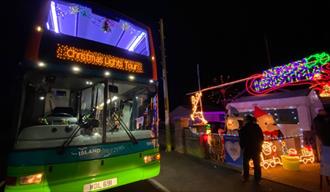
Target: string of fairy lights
(104, 23)
(314, 71)
(311, 70)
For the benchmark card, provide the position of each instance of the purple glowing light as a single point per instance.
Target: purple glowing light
(136, 41)
(54, 17)
(80, 21)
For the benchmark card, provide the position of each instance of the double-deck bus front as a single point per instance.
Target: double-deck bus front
(88, 114)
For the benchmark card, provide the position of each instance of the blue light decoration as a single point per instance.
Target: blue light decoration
(313, 70)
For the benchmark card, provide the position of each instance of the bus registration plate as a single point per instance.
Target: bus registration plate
(100, 185)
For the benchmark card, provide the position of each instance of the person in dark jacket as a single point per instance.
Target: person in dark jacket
(251, 139)
(321, 126)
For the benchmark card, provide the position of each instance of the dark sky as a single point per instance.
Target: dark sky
(228, 37)
(223, 37)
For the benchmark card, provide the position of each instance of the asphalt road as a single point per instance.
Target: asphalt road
(140, 186)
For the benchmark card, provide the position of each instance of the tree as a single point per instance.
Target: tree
(222, 96)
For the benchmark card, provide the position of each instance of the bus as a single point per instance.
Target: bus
(87, 117)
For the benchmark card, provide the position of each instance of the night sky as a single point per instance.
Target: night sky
(230, 38)
(223, 38)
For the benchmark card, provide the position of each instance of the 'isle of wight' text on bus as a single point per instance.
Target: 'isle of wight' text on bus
(70, 53)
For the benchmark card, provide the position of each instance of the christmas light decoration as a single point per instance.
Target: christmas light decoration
(307, 155)
(70, 53)
(269, 155)
(197, 116)
(269, 149)
(312, 70)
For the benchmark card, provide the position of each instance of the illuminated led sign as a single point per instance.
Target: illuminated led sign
(311, 70)
(70, 53)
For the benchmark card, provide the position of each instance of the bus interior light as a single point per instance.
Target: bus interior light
(106, 73)
(114, 98)
(131, 77)
(89, 83)
(75, 69)
(41, 64)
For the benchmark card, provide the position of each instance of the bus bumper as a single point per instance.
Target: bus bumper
(77, 184)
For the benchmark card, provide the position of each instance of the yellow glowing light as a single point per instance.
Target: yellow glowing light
(39, 28)
(267, 149)
(70, 53)
(317, 76)
(307, 155)
(292, 152)
(31, 179)
(325, 91)
(131, 77)
(75, 69)
(41, 64)
(195, 100)
(292, 157)
(106, 73)
(290, 162)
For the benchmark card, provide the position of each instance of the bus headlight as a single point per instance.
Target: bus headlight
(150, 158)
(31, 179)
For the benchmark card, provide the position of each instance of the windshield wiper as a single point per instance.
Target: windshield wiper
(69, 140)
(123, 125)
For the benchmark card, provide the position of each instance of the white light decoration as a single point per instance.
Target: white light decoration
(131, 77)
(106, 73)
(89, 83)
(41, 64)
(76, 69)
(151, 81)
(114, 98)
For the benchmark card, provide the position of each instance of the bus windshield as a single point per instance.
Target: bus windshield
(56, 107)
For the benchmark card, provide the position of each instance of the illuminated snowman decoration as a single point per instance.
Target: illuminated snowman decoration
(233, 120)
(232, 123)
(266, 123)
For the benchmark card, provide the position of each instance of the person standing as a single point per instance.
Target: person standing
(251, 139)
(321, 126)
